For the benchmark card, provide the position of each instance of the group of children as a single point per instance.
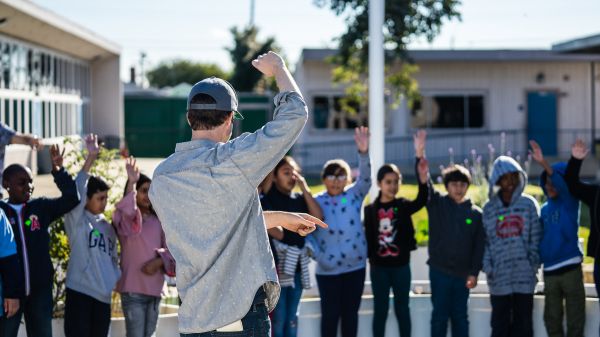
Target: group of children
(93, 270)
(508, 240)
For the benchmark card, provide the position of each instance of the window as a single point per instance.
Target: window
(30, 68)
(329, 114)
(43, 73)
(448, 111)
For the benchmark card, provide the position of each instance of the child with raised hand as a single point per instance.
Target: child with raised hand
(341, 250)
(560, 251)
(456, 244)
(30, 220)
(511, 257)
(290, 251)
(390, 239)
(145, 258)
(589, 194)
(93, 267)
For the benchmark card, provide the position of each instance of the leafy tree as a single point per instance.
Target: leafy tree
(171, 73)
(246, 48)
(404, 21)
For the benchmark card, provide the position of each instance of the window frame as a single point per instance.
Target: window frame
(331, 95)
(462, 93)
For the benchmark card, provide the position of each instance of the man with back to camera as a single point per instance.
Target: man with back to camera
(205, 195)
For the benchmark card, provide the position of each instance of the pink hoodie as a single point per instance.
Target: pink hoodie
(142, 239)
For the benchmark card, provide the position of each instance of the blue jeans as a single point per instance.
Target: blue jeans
(37, 308)
(449, 297)
(256, 322)
(141, 314)
(285, 315)
(398, 279)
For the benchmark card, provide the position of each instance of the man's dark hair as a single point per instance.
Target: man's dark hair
(456, 173)
(205, 119)
(95, 185)
(11, 170)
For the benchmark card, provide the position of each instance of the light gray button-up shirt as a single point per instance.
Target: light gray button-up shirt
(205, 196)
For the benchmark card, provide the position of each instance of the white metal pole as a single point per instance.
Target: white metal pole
(252, 8)
(376, 89)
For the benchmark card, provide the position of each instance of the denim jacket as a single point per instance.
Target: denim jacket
(205, 195)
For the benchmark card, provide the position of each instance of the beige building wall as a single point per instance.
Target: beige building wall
(504, 85)
(99, 96)
(106, 105)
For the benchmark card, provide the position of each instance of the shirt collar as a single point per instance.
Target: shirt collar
(194, 144)
(96, 216)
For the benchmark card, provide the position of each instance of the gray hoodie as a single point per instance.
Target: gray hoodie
(513, 233)
(94, 263)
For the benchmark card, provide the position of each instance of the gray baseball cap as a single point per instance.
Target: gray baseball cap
(222, 92)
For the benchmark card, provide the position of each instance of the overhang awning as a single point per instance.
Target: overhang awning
(29, 22)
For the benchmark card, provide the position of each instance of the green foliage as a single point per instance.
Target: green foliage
(404, 21)
(584, 233)
(246, 48)
(174, 72)
(107, 168)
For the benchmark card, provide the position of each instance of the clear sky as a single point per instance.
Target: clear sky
(199, 29)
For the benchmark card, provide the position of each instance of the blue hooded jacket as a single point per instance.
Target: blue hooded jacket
(560, 219)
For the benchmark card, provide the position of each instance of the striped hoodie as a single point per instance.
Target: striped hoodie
(513, 233)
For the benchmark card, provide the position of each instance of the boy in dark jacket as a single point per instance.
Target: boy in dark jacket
(456, 242)
(560, 251)
(30, 219)
(589, 194)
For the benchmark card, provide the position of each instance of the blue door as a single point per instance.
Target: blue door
(541, 120)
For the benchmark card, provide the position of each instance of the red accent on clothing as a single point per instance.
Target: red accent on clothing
(510, 226)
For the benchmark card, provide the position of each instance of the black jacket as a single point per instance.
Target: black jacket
(589, 195)
(37, 215)
(456, 235)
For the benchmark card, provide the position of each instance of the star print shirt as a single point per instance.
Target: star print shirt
(389, 229)
(342, 248)
(94, 263)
